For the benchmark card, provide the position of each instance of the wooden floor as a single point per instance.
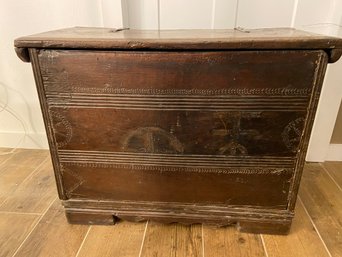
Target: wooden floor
(32, 221)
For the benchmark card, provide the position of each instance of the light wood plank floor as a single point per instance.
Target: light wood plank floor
(32, 221)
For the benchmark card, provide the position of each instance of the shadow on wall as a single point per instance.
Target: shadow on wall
(7, 112)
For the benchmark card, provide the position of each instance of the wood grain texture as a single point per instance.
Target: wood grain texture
(176, 75)
(226, 242)
(35, 193)
(303, 145)
(192, 187)
(79, 217)
(53, 236)
(5, 154)
(256, 220)
(23, 54)
(334, 55)
(172, 240)
(204, 127)
(47, 123)
(302, 241)
(14, 228)
(334, 169)
(123, 239)
(323, 201)
(73, 106)
(70, 123)
(16, 169)
(20, 158)
(106, 38)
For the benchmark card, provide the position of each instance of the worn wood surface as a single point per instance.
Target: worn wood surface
(95, 38)
(323, 200)
(53, 236)
(90, 212)
(124, 239)
(21, 158)
(14, 227)
(334, 170)
(5, 154)
(158, 125)
(212, 121)
(226, 242)
(173, 240)
(48, 127)
(34, 194)
(303, 240)
(17, 168)
(156, 74)
(174, 117)
(304, 142)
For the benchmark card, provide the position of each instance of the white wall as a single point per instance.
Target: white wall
(206, 14)
(22, 17)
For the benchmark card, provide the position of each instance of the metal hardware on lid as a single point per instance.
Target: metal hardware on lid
(242, 30)
(119, 29)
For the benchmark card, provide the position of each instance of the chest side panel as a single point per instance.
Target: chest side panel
(209, 127)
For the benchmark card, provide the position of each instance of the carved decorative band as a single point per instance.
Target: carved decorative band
(244, 171)
(174, 162)
(194, 91)
(176, 102)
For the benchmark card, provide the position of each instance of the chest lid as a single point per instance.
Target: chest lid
(125, 39)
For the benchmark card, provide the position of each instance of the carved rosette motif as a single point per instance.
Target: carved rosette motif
(62, 128)
(292, 133)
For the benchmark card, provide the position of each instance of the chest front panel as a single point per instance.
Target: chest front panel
(218, 127)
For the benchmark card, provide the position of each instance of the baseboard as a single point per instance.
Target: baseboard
(20, 140)
(334, 152)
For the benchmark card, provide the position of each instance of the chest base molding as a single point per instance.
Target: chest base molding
(250, 220)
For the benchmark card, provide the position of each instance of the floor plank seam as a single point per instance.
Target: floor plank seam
(143, 240)
(202, 242)
(10, 157)
(332, 178)
(315, 227)
(37, 219)
(36, 169)
(83, 241)
(34, 227)
(29, 176)
(9, 152)
(264, 245)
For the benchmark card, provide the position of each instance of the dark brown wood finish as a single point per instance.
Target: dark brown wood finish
(200, 39)
(174, 128)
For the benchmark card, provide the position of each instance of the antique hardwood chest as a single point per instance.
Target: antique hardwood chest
(179, 126)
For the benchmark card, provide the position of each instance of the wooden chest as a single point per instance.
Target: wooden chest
(179, 126)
